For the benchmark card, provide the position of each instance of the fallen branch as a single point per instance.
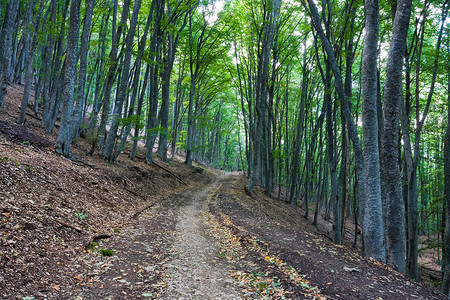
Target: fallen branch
(69, 225)
(128, 153)
(162, 168)
(170, 172)
(138, 213)
(99, 237)
(84, 164)
(33, 116)
(6, 144)
(78, 162)
(134, 193)
(95, 239)
(39, 119)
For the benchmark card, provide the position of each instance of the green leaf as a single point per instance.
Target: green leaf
(305, 285)
(147, 295)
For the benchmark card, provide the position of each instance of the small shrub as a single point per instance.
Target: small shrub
(80, 215)
(106, 252)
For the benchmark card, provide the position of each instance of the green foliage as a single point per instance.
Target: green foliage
(80, 215)
(91, 246)
(106, 252)
(132, 120)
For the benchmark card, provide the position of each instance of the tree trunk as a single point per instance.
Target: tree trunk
(112, 71)
(122, 93)
(138, 62)
(57, 65)
(172, 42)
(64, 136)
(83, 69)
(351, 125)
(28, 52)
(299, 134)
(6, 47)
(373, 218)
(154, 72)
(393, 94)
(445, 288)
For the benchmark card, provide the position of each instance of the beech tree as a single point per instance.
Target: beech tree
(11, 10)
(65, 131)
(108, 152)
(446, 274)
(374, 233)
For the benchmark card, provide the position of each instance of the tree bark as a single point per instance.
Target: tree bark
(154, 72)
(373, 219)
(393, 95)
(6, 47)
(112, 71)
(28, 52)
(64, 136)
(83, 69)
(445, 288)
(172, 42)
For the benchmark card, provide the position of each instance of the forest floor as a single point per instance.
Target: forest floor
(84, 229)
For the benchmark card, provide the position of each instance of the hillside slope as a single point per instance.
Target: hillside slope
(51, 207)
(85, 229)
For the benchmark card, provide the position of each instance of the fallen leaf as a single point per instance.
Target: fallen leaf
(79, 277)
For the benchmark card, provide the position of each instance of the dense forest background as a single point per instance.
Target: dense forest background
(340, 107)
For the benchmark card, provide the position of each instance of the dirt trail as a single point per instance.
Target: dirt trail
(215, 242)
(196, 271)
(168, 253)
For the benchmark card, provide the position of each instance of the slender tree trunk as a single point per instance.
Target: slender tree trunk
(445, 288)
(353, 132)
(83, 69)
(57, 65)
(138, 62)
(64, 136)
(172, 42)
(6, 46)
(28, 52)
(393, 95)
(176, 120)
(299, 133)
(373, 221)
(112, 71)
(122, 93)
(99, 74)
(259, 168)
(154, 72)
(137, 126)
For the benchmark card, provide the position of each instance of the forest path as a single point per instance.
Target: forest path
(196, 271)
(169, 252)
(213, 241)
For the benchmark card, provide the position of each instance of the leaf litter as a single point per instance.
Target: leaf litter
(52, 209)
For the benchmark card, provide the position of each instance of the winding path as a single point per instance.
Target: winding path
(196, 271)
